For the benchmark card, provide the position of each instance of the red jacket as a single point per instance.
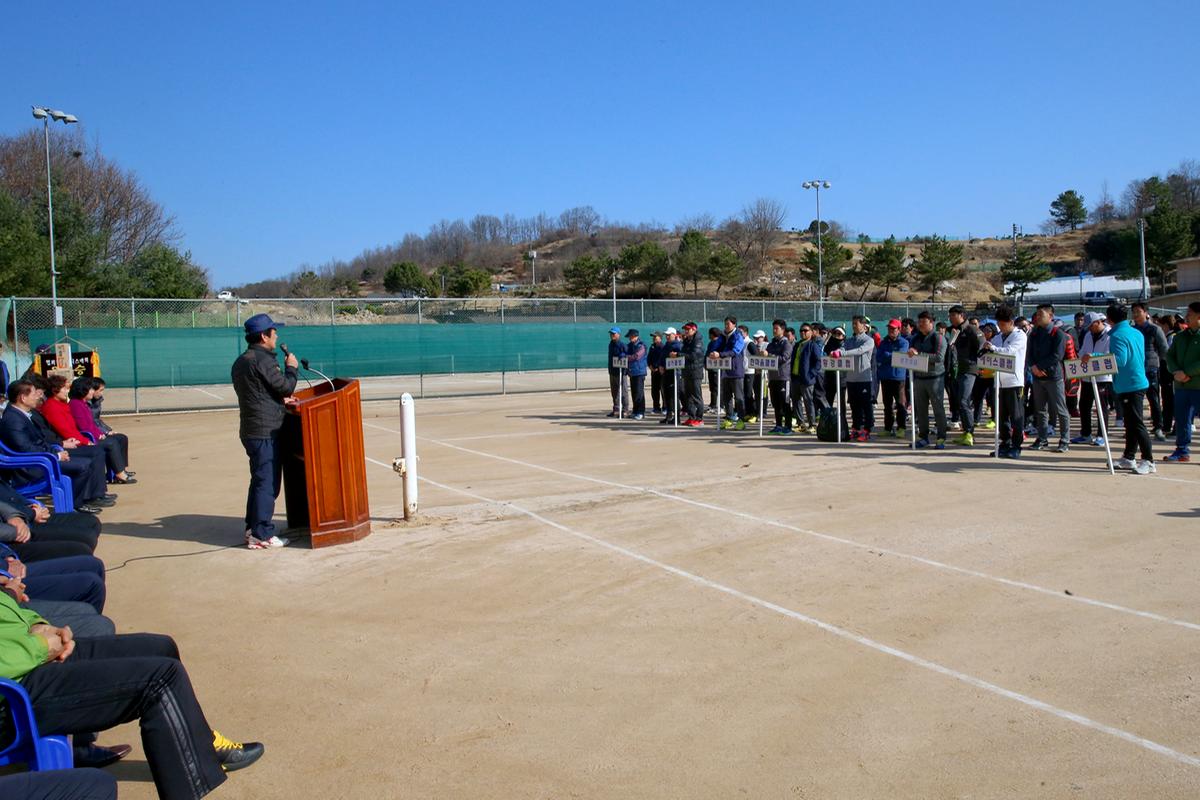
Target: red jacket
(58, 415)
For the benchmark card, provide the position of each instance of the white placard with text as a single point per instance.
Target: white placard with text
(764, 362)
(998, 362)
(1094, 367)
(918, 363)
(675, 362)
(840, 364)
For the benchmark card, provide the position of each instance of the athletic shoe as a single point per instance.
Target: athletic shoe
(711, 409)
(694, 423)
(956, 425)
(254, 543)
(990, 425)
(751, 419)
(658, 411)
(862, 436)
(638, 416)
(1178, 458)
(776, 430)
(1145, 468)
(727, 424)
(901, 433)
(941, 445)
(666, 420)
(785, 431)
(1063, 447)
(612, 414)
(1159, 436)
(1040, 444)
(740, 425)
(1080, 439)
(922, 443)
(966, 440)
(1014, 453)
(1125, 463)
(235, 755)
(1098, 441)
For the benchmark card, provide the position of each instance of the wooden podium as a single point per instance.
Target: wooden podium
(324, 466)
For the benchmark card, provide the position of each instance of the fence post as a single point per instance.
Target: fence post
(501, 309)
(136, 403)
(575, 311)
(332, 313)
(703, 311)
(132, 314)
(16, 339)
(193, 317)
(419, 320)
(643, 311)
(764, 309)
(156, 317)
(239, 310)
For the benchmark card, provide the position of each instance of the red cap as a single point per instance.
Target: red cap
(691, 325)
(893, 323)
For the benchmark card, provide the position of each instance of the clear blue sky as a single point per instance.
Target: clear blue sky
(284, 133)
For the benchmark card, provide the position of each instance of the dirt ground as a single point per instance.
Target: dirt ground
(590, 608)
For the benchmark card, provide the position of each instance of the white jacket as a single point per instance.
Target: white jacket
(1096, 344)
(1011, 345)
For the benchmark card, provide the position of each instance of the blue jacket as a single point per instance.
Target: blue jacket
(806, 362)
(636, 353)
(1128, 346)
(656, 355)
(883, 358)
(615, 350)
(732, 345)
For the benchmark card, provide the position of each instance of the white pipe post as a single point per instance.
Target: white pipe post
(720, 399)
(1103, 427)
(838, 403)
(408, 450)
(912, 423)
(675, 386)
(620, 393)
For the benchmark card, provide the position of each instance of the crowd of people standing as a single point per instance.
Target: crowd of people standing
(1157, 358)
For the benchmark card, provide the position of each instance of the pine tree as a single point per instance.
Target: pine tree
(940, 261)
(1021, 270)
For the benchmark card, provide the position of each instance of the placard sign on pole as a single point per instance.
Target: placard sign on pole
(838, 366)
(763, 364)
(1093, 368)
(917, 363)
(720, 365)
(676, 363)
(998, 362)
(620, 364)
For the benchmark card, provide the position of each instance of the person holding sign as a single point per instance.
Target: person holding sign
(807, 380)
(929, 386)
(1128, 347)
(692, 350)
(892, 379)
(1010, 341)
(1183, 360)
(777, 380)
(861, 380)
(655, 357)
(733, 384)
(1047, 349)
(618, 383)
(1095, 343)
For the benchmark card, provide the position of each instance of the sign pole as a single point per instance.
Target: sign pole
(720, 400)
(838, 403)
(996, 409)
(675, 386)
(1103, 428)
(620, 393)
(762, 397)
(912, 423)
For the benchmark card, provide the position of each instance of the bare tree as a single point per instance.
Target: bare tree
(111, 198)
(703, 222)
(485, 229)
(1105, 210)
(763, 220)
(581, 220)
(734, 234)
(1185, 185)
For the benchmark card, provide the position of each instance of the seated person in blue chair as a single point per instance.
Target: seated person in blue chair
(21, 433)
(81, 685)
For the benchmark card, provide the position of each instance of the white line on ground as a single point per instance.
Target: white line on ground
(830, 538)
(507, 435)
(880, 647)
(207, 392)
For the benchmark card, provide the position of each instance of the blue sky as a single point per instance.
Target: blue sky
(285, 133)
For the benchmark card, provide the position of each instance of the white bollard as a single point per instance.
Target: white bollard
(407, 463)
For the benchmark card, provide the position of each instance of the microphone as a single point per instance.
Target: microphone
(304, 363)
(283, 347)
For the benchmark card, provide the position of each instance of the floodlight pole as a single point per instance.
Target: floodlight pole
(818, 185)
(1142, 254)
(45, 115)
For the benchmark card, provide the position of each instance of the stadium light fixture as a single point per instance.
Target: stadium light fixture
(45, 115)
(818, 185)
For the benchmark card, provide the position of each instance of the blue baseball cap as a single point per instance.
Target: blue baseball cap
(261, 322)
(613, 329)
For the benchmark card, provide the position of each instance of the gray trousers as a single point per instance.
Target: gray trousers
(929, 392)
(621, 380)
(1050, 397)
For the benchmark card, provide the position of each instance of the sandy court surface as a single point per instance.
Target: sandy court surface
(600, 609)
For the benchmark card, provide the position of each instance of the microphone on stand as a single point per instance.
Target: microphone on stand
(304, 363)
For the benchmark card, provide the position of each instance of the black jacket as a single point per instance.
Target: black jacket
(23, 434)
(693, 353)
(1046, 349)
(967, 346)
(261, 386)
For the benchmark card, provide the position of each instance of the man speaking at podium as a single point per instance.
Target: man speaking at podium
(263, 390)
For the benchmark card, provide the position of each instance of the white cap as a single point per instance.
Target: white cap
(671, 331)
(760, 334)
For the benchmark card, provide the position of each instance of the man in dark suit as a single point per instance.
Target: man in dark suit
(21, 433)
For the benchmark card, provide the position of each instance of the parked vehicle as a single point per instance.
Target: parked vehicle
(225, 295)
(1099, 299)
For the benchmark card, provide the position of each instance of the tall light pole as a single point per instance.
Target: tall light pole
(533, 261)
(45, 115)
(818, 186)
(1141, 223)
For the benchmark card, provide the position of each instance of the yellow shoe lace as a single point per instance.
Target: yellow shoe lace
(222, 743)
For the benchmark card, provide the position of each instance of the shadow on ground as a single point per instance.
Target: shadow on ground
(204, 529)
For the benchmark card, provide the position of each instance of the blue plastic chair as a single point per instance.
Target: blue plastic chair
(39, 753)
(53, 482)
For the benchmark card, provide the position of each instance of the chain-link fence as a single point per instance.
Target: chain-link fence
(172, 354)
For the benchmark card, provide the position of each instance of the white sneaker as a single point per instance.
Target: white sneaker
(1145, 468)
(1125, 463)
(254, 543)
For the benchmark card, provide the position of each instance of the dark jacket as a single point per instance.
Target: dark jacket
(656, 355)
(693, 355)
(1156, 345)
(883, 358)
(616, 349)
(934, 346)
(1046, 350)
(636, 353)
(782, 349)
(806, 362)
(22, 434)
(94, 404)
(967, 347)
(261, 386)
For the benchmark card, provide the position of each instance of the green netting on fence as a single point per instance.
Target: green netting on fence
(199, 356)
